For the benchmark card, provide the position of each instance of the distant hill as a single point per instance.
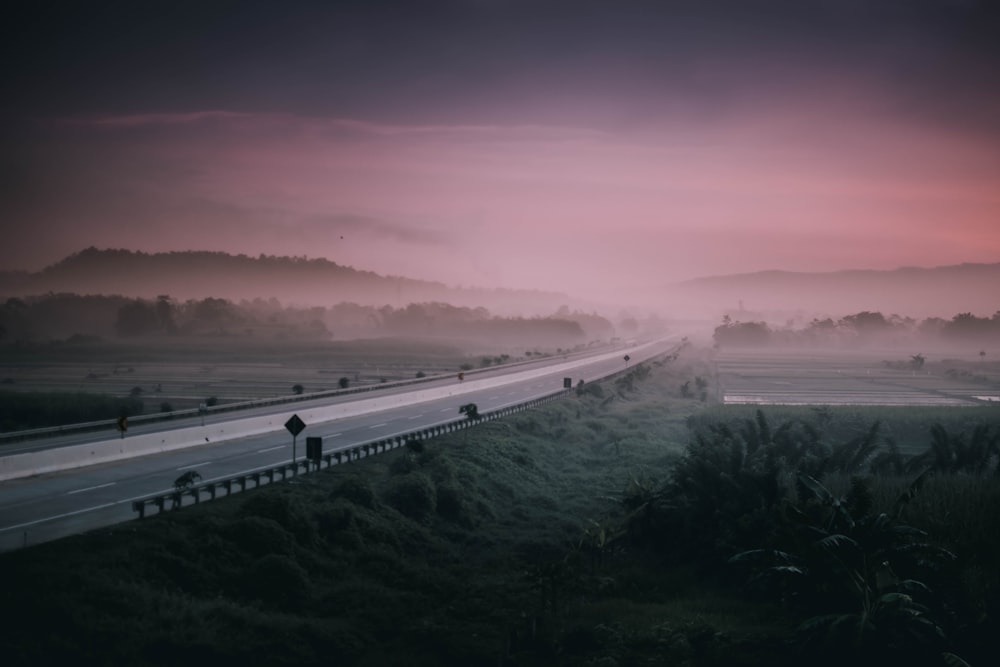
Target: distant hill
(915, 292)
(291, 280)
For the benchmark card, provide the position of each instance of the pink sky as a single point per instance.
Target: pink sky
(590, 154)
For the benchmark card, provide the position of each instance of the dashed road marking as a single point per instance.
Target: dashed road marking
(90, 488)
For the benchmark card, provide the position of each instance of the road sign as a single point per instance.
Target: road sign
(295, 425)
(314, 449)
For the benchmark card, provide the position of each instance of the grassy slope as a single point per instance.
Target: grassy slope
(465, 553)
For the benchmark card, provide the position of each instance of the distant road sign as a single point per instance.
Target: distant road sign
(295, 425)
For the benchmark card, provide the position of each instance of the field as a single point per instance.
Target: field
(183, 374)
(854, 377)
(597, 530)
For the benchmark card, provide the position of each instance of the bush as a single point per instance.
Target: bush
(259, 536)
(277, 580)
(412, 494)
(298, 389)
(357, 490)
(343, 383)
(212, 400)
(166, 407)
(284, 509)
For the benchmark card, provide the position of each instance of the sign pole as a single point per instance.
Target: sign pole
(294, 426)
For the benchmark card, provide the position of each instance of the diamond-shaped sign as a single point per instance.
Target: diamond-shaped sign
(295, 425)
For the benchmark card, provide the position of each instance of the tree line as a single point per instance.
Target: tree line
(862, 327)
(74, 317)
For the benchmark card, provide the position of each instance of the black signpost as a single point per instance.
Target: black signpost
(294, 426)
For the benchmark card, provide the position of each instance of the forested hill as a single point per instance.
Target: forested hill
(917, 292)
(293, 280)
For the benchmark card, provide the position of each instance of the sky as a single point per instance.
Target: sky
(599, 148)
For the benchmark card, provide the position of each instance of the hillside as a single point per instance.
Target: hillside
(909, 291)
(293, 280)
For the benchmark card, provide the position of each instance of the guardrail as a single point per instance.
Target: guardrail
(193, 495)
(346, 454)
(110, 424)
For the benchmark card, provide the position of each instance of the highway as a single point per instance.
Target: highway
(56, 504)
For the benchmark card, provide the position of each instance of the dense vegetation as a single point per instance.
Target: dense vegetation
(863, 328)
(75, 318)
(624, 525)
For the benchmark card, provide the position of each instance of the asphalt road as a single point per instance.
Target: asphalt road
(49, 506)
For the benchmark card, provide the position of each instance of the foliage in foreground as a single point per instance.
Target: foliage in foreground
(582, 533)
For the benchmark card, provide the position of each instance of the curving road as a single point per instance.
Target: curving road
(53, 505)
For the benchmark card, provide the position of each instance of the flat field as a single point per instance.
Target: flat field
(185, 373)
(854, 377)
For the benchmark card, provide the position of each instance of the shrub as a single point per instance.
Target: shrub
(166, 407)
(277, 580)
(412, 494)
(343, 383)
(421, 374)
(259, 536)
(357, 490)
(297, 389)
(284, 510)
(212, 400)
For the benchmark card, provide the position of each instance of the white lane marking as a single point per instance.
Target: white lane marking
(194, 465)
(334, 435)
(415, 417)
(270, 449)
(446, 410)
(90, 488)
(377, 425)
(63, 516)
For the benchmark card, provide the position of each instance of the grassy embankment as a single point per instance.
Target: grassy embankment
(515, 543)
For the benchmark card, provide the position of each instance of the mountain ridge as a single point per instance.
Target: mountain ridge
(193, 274)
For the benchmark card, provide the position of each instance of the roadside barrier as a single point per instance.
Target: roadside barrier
(195, 494)
(207, 411)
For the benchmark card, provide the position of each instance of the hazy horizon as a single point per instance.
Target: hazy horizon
(604, 150)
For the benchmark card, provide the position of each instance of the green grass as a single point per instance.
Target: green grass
(468, 553)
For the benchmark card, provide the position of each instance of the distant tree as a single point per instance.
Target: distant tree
(917, 361)
(211, 400)
(470, 410)
(343, 383)
(742, 333)
(135, 319)
(166, 407)
(165, 314)
(298, 389)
